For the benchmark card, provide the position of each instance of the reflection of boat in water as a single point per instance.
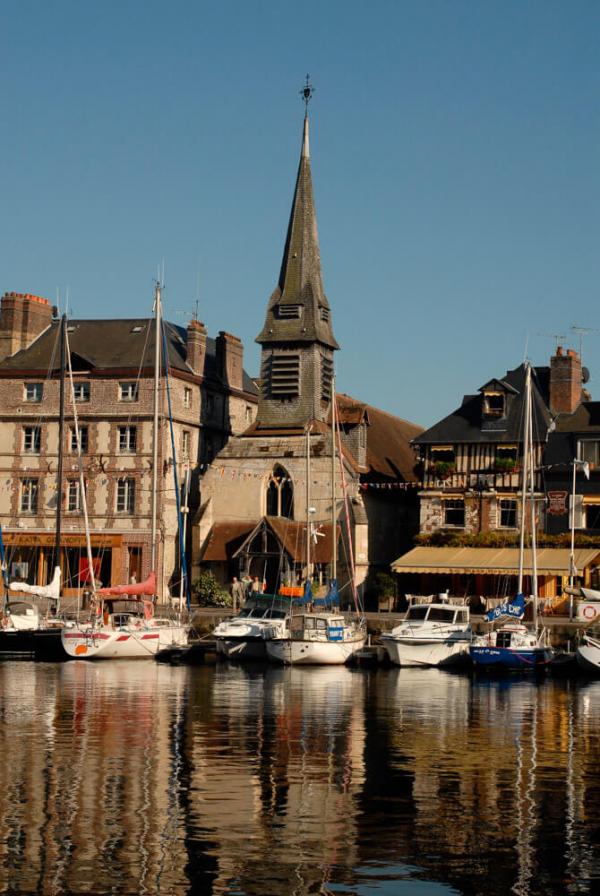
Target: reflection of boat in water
(435, 634)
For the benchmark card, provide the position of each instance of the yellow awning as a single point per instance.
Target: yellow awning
(492, 561)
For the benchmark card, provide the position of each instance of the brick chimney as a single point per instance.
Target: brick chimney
(230, 360)
(22, 318)
(196, 346)
(565, 381)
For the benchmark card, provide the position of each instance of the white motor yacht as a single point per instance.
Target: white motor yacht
(319, 639)
(242, 637)
(436, 634)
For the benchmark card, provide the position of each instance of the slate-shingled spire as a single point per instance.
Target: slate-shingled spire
(297, 338)
(300, 282)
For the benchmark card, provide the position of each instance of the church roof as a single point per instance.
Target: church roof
(298, 309)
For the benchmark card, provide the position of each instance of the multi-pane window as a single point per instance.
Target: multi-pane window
(32, 439)
(128, 391)
(29, 495)
(82, 391)
(34, 391)
(454, 512)
(185, 443)
(83, 438)
(589, 450)
(187, 397)
(248, 413)
(280, 494)
(126, 496)
(127, 438)
(74, 495)
(508, 513)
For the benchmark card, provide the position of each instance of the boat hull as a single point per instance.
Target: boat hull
(588, 657)
(242, 649)
(300, 652)
(425, 652)
(518, 659)
(102, 644)
(43, 645)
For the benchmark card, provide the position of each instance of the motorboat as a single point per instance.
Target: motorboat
(435, 634)
(242, 637)
(588, 654)
(316, 638)
(513, 647)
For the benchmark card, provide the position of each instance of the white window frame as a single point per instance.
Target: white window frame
(445, 507)
(32, 439)
(186, 443)
(127, 439)
(187, 397)
(73, 496)
(33, 392)
(126, 496)
(29, 495)
(502, 501)
(83, 438)
(128, 391)
(82, 391)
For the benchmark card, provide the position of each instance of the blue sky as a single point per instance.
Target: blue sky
(455, 149)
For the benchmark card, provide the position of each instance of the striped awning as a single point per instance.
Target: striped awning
(492, 561)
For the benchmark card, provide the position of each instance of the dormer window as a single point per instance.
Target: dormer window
(494, 404)
(324, 313)
(288, 312)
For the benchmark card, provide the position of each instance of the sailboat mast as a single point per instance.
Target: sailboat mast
(534, 581)
(524, 475)
(61, 428)
(157, 315)
(84, 507)
(308, 532)
(333, 489)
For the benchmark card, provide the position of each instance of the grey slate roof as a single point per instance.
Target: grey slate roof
(467, 425)
(114, 344)
(300, 281)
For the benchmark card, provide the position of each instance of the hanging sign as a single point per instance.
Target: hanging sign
(557, 503)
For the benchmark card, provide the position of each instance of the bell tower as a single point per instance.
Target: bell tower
(297, 337)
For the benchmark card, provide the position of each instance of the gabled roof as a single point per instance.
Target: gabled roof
(300, 281)
(498, 386)
(389, 451)
(113, 344)
(226, 540)
(467, 423)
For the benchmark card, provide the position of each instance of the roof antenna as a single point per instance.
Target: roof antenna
(582, 331)
(307, 93)
(559, 338)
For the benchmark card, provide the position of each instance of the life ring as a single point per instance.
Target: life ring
(589, 612)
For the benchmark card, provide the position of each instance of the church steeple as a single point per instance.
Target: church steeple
(297, 337)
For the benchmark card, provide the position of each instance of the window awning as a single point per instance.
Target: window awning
(491, 561)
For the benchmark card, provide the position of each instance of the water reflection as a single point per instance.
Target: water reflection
(139, 778)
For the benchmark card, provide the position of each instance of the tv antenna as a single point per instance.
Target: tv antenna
(559, 338)
(582, 331)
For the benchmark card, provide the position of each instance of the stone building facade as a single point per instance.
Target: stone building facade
(112, 361)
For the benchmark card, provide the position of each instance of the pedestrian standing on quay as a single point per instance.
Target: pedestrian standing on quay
(237, 593)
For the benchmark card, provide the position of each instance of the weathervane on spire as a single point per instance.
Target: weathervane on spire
(307, 93)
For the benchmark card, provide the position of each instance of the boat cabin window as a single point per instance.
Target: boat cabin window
(503, 639)
(441, 614)
(417, 613)
(462, 616)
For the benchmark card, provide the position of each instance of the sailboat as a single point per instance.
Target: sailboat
(26, 630)
(122, 622)
(315, 636)
(514, 646)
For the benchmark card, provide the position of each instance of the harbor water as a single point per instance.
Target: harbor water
(134, 777)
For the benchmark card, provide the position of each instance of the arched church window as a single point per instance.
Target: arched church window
(280, 494)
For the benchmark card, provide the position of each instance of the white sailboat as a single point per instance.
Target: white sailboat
(122, 623)
(314, 637)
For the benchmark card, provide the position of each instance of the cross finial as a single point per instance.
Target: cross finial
(307, 93)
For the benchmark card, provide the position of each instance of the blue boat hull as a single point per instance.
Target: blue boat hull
(516, 659)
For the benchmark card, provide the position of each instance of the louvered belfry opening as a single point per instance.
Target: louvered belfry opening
(284, 375)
